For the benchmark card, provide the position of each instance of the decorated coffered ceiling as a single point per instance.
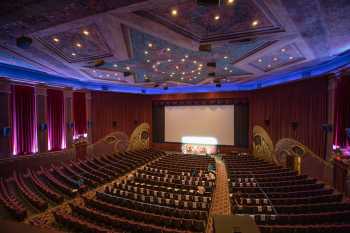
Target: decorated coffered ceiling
(153, 44)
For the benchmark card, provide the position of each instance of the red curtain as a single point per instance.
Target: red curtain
(79, 113)
(24, 124)
(55, 120)
(303, 102)
(342, 112)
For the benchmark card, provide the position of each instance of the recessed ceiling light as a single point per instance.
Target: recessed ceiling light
(186, 56)
(194, 62)
(174, 12)
(199, 73)
(115, 65)
(275, 58)
(146, 52)
(183, 73)
(168, 49)
(269, 65)
(260, 60)
(225, 57)
(74, 54)
(55, 39)
(177, 67)
(255, 23)
(216, 17)
(195, 77)
(94, 71)
(199, 68)
(128, 68)
(150, 45)
(183, 59)
(230, 71)
(291, 58)
(283, 50)
(86, 32)
(230, 1)
(158, 62)
(225, 68)
(169, 60)
(107, 75)
(148, 60)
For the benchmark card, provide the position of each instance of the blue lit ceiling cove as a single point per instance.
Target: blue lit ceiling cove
(156, 60)
(34, 76)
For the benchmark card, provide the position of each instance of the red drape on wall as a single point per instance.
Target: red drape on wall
(79, 113)
(342, 112)
(24, 124)
(55, 120)
(303, 102)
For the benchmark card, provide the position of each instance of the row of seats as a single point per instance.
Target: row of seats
(281, 201)
(32, 191)
(152, 202)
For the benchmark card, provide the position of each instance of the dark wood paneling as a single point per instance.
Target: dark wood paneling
(303, 102)
(127, 110)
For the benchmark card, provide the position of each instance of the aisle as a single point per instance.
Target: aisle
(221, 196)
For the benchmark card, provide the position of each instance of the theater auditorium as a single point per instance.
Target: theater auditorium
(175, 116)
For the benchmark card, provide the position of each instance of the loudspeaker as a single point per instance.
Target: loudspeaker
(209, 2)
(43, 126)
(89, 124)
(70, 125)
(114, 124)
(294, 125)
(205, 48)
(327, 128)
(267, 122)
(6, 131)
(127, 73)
(135, 122)
(211, 64)
(347, 130)
(24, 42)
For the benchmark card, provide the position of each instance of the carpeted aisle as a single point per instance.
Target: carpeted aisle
(221, 196)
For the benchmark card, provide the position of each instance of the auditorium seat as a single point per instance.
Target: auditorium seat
(280, 201)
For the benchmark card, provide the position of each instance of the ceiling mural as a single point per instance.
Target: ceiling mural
(156, 60)
(172, 45)
(77, 44)
(208, 23)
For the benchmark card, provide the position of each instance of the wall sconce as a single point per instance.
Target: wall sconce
(42, 127)
(5, 131)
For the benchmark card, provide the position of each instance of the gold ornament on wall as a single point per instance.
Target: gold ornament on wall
(140, 137)
(262, 144)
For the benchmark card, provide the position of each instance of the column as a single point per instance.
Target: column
(41, 109)
(5, 119)
(330, 115)
(68, 104)
(88, 116)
